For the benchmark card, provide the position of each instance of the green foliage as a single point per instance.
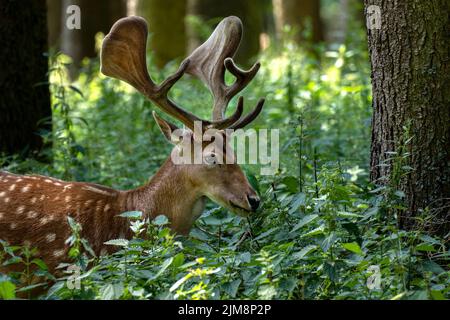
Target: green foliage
(323, 231)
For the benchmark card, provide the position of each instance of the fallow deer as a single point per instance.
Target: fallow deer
(34, 209)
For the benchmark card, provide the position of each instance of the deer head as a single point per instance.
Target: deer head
(34, 209)
(218, 177)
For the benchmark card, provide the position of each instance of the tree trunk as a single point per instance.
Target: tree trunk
(300, 15)
(96, 16)
(249, 11)
(167, 28)
(54, 18)
(24, 92)
(410, 79)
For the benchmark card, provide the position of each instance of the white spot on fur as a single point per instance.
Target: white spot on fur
(42, 197)
(58, 253)
(32, 214)
(68, 198)
(2, 194)
(6, 200)
(107, 207)
(26, 188)
(12, 187)
(33, 200)
(69, 186)
(19, 180)
(48, 181)
(20, 209)
(44, 220)
(13, 226)
(50, 237)
(1, 215)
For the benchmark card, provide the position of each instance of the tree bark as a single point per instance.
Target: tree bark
(167, 28)
(296, 13)
(54, 18)
(410, 79)
(249, 11)
(24, 91)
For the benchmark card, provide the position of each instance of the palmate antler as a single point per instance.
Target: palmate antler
(123, 56)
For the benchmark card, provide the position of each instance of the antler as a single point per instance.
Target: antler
(210, 61)
(123, 56)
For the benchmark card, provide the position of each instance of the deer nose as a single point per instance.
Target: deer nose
(254, 202)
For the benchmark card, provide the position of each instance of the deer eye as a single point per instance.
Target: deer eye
(211, 159)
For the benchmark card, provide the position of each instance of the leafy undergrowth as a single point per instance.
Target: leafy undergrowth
(338, 241)
(323, 232)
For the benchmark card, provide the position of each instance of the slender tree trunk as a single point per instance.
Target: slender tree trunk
(96, 16)
(24, 92)
(167, 28)
(411, 92)
(249, 11)
(300, 15)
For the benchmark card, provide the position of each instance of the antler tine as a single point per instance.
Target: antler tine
(226, 123)
(123, 56)
(210, 61)
(250, 116)
(242, 77)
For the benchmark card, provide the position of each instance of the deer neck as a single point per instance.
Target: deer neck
(171, 193)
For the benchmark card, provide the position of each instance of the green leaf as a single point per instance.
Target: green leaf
(163, 267)
(329, 241)
(179, 283)
(437, 295)
(265, 234)
(425, 247)
(302, 253)
(297, 201)
(117, 242)
(305, 220)
(245, 257)
(178, 260)
(41, 264)
(291, 183)
(353, 247)
(314, 232)
(131, 215)
(288, 284)
(432, 267)
(111, 291)
(232, 287)
(267, 292)
(161, 220)
(7, 290)
(344, 214)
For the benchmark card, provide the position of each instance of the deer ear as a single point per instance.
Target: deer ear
(166, 127)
